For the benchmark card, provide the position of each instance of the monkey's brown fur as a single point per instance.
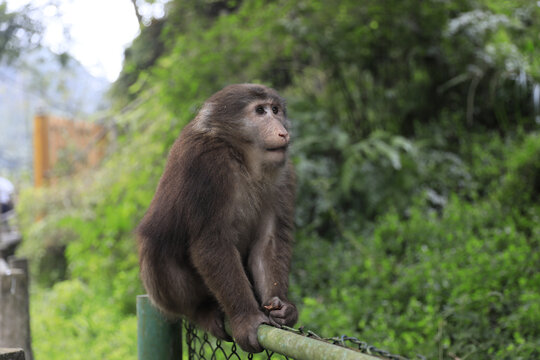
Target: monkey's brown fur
(216, 239)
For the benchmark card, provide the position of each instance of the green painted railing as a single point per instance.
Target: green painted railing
(159, 339)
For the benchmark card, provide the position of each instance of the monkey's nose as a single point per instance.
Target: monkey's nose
(284, 135)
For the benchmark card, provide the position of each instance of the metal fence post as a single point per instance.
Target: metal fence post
(157, 337)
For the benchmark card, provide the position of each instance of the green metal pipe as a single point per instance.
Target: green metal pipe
(304, 348)
(157, 337)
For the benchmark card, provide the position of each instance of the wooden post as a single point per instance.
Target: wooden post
(157, 337)
(41, 150)
(14, 308)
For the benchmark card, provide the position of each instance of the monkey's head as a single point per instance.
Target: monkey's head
(250, 116)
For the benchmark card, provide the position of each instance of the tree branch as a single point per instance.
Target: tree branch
(139, 16)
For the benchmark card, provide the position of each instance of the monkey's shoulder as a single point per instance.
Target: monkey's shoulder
(195, 152)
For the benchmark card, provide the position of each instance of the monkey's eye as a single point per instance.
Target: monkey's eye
(259, 110)
(275, 109)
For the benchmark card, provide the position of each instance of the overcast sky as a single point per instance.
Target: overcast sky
(98, 31)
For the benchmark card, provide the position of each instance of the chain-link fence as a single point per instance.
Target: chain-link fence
(201, 346)
(160, 338)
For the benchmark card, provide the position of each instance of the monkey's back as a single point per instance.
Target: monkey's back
(190, 193)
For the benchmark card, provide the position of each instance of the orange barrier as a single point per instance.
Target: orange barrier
(63, 147)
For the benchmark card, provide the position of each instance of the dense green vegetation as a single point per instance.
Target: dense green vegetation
(417, 148)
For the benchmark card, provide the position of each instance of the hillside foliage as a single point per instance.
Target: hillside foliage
(416, 128)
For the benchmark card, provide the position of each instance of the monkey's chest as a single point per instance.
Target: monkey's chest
(248, 220)
(246, 228)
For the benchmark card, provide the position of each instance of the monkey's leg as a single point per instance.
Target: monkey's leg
(182, 292)
(176, 290)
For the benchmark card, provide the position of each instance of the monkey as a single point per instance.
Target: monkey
(216, 240)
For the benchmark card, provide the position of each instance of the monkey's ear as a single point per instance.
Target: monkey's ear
(202, 120)
(206, 110)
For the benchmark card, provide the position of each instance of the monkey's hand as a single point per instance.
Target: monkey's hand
(281, 312)
(244, 329)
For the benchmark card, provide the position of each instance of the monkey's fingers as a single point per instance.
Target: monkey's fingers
(281, 313)
(249, 343)
(254, 346)
(274, 303)
(245, 331)
(274, 323)
(287, 315)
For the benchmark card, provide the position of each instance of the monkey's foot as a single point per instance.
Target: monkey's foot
(211, 319)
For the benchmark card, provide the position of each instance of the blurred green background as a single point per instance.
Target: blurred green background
(416, 129)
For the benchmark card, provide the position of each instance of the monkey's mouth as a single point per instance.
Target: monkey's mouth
(278, 149)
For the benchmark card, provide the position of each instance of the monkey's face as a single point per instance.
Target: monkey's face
(268, 126)
(250, 116)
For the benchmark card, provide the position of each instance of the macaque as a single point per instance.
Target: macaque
(216, 240)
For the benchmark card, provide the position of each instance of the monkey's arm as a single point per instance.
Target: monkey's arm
(218, 262)
(269, 265)
(269, 262)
